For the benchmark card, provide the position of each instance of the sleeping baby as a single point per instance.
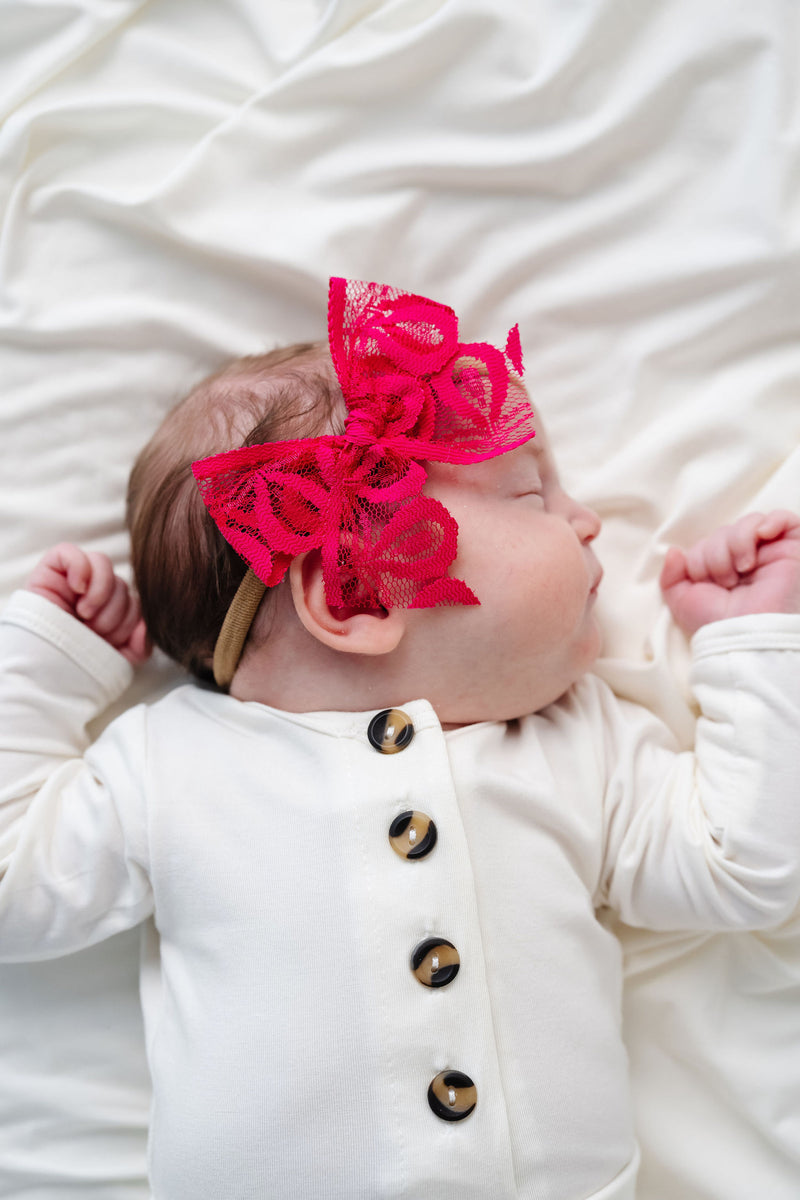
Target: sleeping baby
(375, 830)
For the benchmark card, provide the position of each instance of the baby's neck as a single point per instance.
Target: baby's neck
(296, 673)
(292, 670)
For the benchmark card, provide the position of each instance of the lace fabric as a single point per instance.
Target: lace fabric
(414, 393)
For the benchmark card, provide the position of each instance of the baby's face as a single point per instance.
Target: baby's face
(524, 549)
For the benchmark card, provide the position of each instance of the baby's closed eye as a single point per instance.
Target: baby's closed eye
(531, 493)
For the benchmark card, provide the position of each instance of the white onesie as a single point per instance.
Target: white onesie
(356, 1002)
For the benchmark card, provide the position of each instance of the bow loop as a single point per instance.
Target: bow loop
(372, 327)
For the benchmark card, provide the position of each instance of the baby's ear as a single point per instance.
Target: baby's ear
(353, 630)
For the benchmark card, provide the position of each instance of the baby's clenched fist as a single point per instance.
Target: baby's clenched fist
(752, 566)
(83, 583)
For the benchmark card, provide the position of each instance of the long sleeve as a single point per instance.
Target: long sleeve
(711, 839)
(73, 848)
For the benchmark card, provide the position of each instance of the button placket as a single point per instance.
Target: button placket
(434, 962)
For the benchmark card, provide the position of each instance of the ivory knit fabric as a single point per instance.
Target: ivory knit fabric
(290, 1044)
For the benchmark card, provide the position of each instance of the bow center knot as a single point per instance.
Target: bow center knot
(365, 426)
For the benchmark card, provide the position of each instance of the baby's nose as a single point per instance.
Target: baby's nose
(586, 522)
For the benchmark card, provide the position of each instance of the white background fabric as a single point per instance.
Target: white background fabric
(177, 181)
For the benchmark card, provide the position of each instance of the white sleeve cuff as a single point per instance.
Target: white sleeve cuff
(96, 657)
(757, 631)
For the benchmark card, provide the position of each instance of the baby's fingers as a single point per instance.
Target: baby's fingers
(733, 550)
(119, 634)
(64, 562)
(99, 588)
(744, 538)
(711, 560)
(674, 568)
(779, 523)
(138, 647)
(61, 575)
(76, 567)
(758, 539)
(113, 612)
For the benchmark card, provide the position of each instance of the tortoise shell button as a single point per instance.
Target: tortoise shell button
(452, 1095)
(390, 731)
(435, 962)
(412, 835)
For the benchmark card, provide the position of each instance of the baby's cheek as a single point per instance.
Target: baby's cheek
(559, 589)
(558, 611)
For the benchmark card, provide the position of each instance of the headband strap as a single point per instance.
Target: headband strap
(235, 628)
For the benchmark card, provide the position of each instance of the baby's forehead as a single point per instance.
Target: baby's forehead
(541, 449)
(538, 447)
(514, 467)
(534, 457)
(535, 454)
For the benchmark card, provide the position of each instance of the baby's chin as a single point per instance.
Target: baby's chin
(509, 702)
(505, 708)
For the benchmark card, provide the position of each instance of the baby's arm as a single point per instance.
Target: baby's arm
(752, 566)
(711, 839)
(73, 845)
(83, 584)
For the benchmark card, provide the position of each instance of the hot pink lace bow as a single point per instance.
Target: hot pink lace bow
(413, 392)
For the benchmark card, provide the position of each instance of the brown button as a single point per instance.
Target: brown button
(390, 731)
(435, 962)
(412, 835)
(452, 1095)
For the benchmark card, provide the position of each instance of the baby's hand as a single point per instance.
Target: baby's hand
(83, 583)
(752, 566)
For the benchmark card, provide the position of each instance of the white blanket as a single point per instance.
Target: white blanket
(178, 179)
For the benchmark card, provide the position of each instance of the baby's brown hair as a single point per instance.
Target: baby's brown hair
(185, 572)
